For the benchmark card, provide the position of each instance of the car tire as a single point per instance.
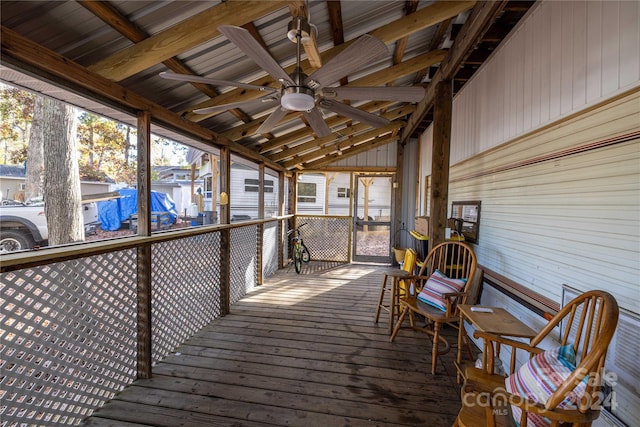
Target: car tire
(15, 240)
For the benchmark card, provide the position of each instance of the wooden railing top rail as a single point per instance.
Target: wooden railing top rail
(20, 260)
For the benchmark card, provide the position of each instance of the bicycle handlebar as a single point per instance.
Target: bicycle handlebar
(296, 229)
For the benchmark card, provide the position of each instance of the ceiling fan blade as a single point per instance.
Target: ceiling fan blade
(384, 93)
(354, 113)
(239, 104)
(273, 119)
(250, 46)
(360, 53)
(315, 119)
(215, 82)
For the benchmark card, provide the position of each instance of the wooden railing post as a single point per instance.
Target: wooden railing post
(260, 232)
(225, 234)
(144, 251)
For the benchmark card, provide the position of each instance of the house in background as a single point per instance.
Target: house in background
(12, 184)
(176, 182)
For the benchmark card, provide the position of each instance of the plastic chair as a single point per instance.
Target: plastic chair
(457, 261)
(587, 326)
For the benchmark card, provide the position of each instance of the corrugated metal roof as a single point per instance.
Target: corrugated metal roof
(73, 31)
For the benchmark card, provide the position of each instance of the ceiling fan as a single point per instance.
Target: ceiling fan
(303, 93)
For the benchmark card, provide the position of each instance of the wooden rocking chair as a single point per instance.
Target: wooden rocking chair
(546, 391)
(455, 260)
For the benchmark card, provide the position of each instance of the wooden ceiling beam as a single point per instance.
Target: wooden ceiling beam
(301, 134)
(49, 65)
(376, 79)
(405, 26)
(181, 37)
(346, 132)
(410, 6)
(337, 30)
(364, 147)
(119, 22)
(481, 18)
(299, 8)
(344, 144)
(435, 44)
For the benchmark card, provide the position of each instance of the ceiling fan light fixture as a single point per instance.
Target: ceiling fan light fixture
(297, 98)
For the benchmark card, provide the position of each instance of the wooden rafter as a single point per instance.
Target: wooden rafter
(410, 6)
(299, 8)
(113, 17)
(375, 79)
(482, 16)
(369, 145)
(22, 52)
(345, 132)
(343, 146)
(423, 18)
(182, 37)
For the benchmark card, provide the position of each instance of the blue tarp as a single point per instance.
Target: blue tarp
(111, 213)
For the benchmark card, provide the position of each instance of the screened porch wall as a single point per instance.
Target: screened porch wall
(69, 334)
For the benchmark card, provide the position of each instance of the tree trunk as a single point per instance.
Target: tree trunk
(127, 146)
(34, 185)
(63, 207)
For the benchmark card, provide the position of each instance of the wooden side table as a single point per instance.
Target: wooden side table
(498, 321)
(394, 302)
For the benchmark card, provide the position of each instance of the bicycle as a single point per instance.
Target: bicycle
(300, 251)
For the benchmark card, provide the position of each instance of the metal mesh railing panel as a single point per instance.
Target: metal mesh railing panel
(243, 267)
(68, 338)
(270, 249)
(326, 237)
(185, 290)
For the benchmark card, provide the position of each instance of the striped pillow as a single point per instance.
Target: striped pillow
(439, 284)
(540, 377)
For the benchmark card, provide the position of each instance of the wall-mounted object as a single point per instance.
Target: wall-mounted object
(465, 217)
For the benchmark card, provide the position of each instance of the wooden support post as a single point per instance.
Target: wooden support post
(260, 233)
(225, 234)
(329, 178)
(213, 161)
(440, 161)
(281, 235)
(144, 251)
(293, 197)
(396, 220)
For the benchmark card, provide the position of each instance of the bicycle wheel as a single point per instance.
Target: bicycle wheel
(305, 254)
(297, 260)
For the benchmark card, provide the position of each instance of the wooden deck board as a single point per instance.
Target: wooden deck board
(302, 350)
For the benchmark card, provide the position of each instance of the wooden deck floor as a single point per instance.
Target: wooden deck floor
(302, 350)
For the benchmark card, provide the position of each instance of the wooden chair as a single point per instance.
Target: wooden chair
(457, 261)
(397, 287)
(587, 325)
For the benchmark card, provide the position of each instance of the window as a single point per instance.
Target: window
(253, 185)
(344, 193)
(208, 187)
(306, 192)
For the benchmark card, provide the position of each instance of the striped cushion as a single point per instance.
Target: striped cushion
(540, 377)
(439, 284)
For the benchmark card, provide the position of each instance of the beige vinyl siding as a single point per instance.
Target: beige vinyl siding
(565, 56)
(547, 136)
(382, 156)
(570, 218)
